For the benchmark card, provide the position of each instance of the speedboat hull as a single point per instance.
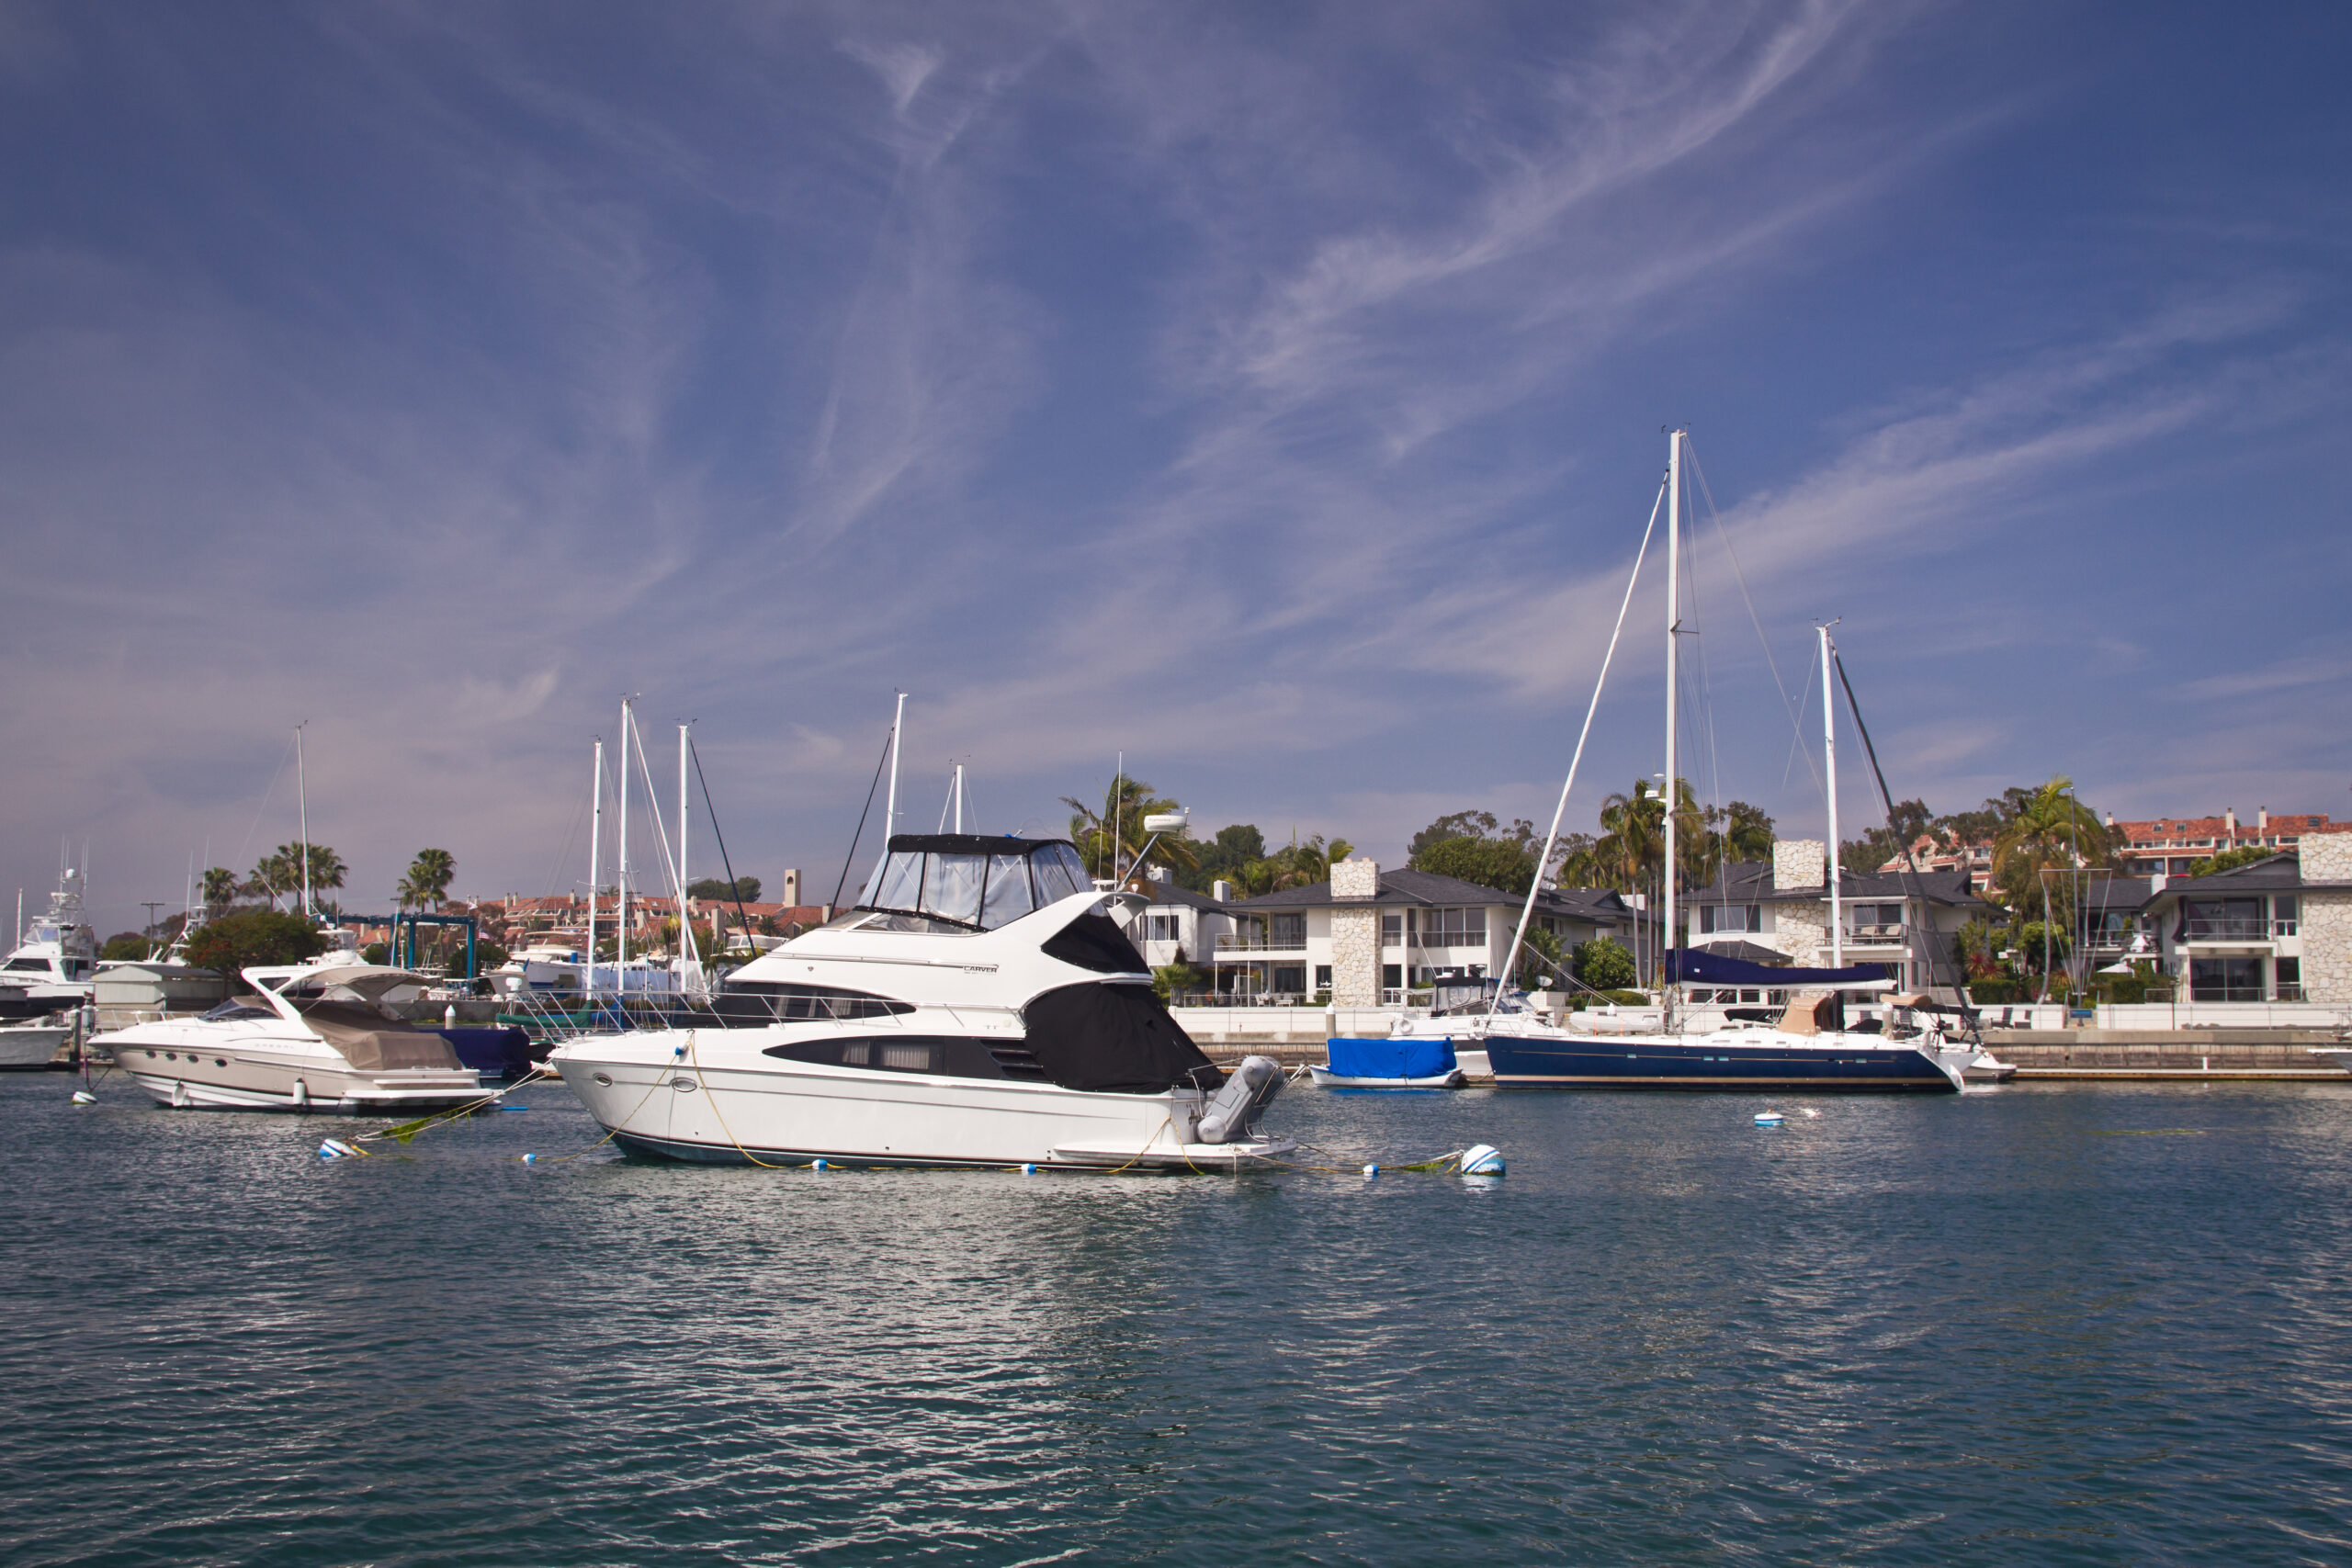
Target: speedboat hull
(1844, 1065)
(224, 1077)
(658, 1095)
(1326, 1078)
(30, 1047)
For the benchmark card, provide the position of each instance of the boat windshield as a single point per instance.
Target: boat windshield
(973, 880)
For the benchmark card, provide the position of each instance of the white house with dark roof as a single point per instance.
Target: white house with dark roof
(1779, 911)
(2278, 930)
(1368, 936)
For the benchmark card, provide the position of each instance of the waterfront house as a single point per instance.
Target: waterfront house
(1779, 911)
(2276, 929)
(1367, 936)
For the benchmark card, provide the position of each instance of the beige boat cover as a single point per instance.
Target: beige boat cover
(1810, 1015)
(374, 1043)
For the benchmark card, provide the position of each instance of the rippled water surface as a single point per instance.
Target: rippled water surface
(2034, 1325)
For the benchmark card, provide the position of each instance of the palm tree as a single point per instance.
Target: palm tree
(1303, 865)
(1632, 838)
(427, 881)
(1125, 805)
(2051, 831)
(219, 887)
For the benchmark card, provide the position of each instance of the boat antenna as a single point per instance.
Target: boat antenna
(1910, 863)
(891, 808)
(302, 810)
(888, 744)
(595, 843)
(1673, 630)
(1551, 838)
(712, 812)
(1834, 873)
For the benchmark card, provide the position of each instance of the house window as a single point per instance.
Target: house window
(1392, 976)
(2226, 979)
(1322, 976)
(1453, 927)
(1163, 928)
(1392, 930)
(1730, 918)
(2282, 916)
(1286, 931)
(1289, 979)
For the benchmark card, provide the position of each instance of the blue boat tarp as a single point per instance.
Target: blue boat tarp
(1391, 1056)
(1697, 967)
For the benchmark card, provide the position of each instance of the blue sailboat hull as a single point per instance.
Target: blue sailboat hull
(1701, 1064)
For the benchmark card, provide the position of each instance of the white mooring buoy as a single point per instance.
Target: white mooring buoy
(1769, 1119)
(83, 1096)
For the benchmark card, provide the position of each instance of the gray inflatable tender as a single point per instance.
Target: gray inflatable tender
(1230, 1114)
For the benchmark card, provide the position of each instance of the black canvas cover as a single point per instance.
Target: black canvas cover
(1698, 966)
(1111, 1039)
(1095, 942)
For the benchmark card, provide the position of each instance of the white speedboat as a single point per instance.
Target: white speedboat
(978, 1007)
(32, 1047)
(314, 1039)
(51, 967)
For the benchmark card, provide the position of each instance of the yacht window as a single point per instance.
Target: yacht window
(899, 883)
(1059, 873)
(229, 1011)
(36, 965)
(856, 1055)
(907, 1059)
(1007, 898)
(951, 887)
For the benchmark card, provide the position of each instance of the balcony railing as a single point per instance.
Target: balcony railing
(1875, 933)
(1277, 943)
(1435, 939)
(2229, 930)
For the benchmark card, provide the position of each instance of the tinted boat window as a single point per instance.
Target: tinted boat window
(1059, 873)
(1008, 890)
(951, 887)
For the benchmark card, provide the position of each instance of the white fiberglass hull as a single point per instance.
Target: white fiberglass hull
(27, 1047)
(720, 1100)
(223, 1074)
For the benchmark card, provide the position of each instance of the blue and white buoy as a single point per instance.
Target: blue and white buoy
(1769, 1119)
(333, 1149)
(821, 1165)
(1372, 1170)
(1028, 1169)
(1482, 1159)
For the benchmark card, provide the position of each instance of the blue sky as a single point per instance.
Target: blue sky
(1272, 393)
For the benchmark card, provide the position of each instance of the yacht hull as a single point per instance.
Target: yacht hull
(1840, 1065)
(230, 1078)
(32, 1047)
(655, 1098)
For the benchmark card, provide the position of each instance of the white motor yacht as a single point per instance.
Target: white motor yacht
(51, 967)
(978, 1007)
(315, 1038)
(33, 1046)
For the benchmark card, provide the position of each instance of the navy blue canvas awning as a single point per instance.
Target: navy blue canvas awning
(1696, 967)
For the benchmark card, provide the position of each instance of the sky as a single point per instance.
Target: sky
(1274, 395)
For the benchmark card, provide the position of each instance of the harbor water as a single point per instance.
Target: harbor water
(2053, 1324)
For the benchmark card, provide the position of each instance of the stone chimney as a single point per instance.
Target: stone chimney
(1355, 934)
(2230, 820)
(2262, 820)
(1799, 862)
(1355, 877)
(2324, 856)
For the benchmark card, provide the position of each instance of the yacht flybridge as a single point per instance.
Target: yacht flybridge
(978, 1006)
(320, 1037)
(56, 955)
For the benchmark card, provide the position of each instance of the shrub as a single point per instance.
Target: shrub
(1993, 992)
(1603, 964)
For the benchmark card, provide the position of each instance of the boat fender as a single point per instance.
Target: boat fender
(335, 1149)
(1482, 1159)
(821, 1165)
(1227, 1116)
(302, 1095)
(1028, 1171)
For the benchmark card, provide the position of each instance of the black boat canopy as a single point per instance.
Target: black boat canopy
(1697, 967)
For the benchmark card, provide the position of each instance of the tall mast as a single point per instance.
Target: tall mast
(302, 807)
(890, 806)
(1829, 774)
(689, 960)
(620, 902)
(959, 797)
(596, 841)
(1673, 630)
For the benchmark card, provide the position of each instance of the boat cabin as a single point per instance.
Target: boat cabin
(951, 881)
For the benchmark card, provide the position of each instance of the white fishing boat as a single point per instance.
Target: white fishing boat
(315, 1038)
(33, 1046)
(978, 1006)
(56, 955)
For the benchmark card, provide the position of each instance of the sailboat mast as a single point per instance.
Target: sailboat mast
(1829, 774)
(595, 842)
(689, 961)
(1673, 630)
(891, 806)
(302, 810)
(959, 797)
(620, 902)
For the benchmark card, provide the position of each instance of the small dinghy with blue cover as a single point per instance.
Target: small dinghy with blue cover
(1393, 1061)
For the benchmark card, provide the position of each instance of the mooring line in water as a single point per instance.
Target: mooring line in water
(407, 1130)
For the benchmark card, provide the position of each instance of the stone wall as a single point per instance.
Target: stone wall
(2326, 918)
(1355, 935)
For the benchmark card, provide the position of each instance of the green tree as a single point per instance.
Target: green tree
(1305, 864)
(2230, 860)
(2049, 832)
(1484, 862)
(1604, 966)
(1116, 836)
(746, 888)
(126, 947)
(220, 887)
(250, 937)
(1542, 959)
(1632, 845)
(427, 881)
(1222, 857)
(1876, 846)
